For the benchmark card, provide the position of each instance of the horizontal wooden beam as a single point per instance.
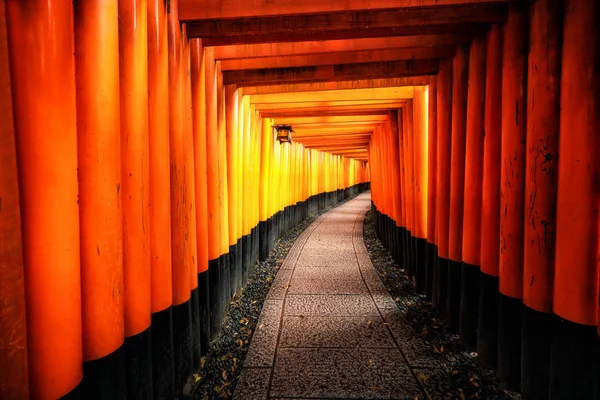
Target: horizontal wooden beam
(324, 112)
(422, 80)
(218, 9)
(295, 121)
(364, 95)
(329, 105)
(260, 50)
(331, 73)
(346, 57)
(394, 22)
(459, 29)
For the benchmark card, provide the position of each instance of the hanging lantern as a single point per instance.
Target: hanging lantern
(284, 133)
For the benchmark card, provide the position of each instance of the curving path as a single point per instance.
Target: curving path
(328, 328)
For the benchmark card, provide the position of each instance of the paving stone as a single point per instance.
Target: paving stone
(343, 373)
(320, 273)
(349, 332)
(330, 305)
(327, 286)
(253, 384)
(264, 339)
(280, 285)
(331, 258)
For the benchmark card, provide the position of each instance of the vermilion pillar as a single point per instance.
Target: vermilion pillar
(42, 68)
(13, 338)
(543, 109)
(191, 244)
(431, 186)
(409, 169)
(182, 323)
(574, 355)
(471, 244)
(442, 212)
(487, 336)
(512, 195)
(420, 149)
(233, 159)
(457, 184)
(212, 162)
(100, 218)
(223, 186)
(160, 203)
(200, 179)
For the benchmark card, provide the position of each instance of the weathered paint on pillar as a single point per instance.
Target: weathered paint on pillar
(42, 63)
(13, 337)
(99, 178)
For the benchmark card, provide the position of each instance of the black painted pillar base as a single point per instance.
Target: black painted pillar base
(435, 279)
(182, 344)
(469, 305)
(239, 275)
(225, 286)
(398, 243)
(247, 255)
(138, 365)
(487, 322)
(430, 256)
(442, 285)
(536, 345)
(204, 309)
(271, 232)
(510, 322)
(232, 271)
(104, 378)
(255, 247)
(407, 256)
(454, 277)
(196, 340)
(163, 364)
(574, 361)
(214, 277)
(421, 264)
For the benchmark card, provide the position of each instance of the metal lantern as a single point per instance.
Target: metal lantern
(284, 133)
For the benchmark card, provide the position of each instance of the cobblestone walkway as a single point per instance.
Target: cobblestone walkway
(328, 328)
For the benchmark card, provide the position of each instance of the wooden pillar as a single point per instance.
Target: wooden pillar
(201, 186)
(471, 244)
(99, 176)
(212, 163)
(42, 63)
(442, 212)
(487, 336)
(160, 204)
(191, 245)
(512, 195)
(231, 114)
(396, 178)
(13, 336)
(431, 186)
(457, 184)
(543, 108)
(409, 169)
(420, 125)
(265, 175)
(574, 356)
(182, 323)
(223, 200)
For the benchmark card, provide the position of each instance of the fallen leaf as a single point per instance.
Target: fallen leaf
(224, 375)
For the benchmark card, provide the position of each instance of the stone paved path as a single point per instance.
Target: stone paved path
(328, 328)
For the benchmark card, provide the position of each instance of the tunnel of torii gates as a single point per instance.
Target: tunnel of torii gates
(141, 179)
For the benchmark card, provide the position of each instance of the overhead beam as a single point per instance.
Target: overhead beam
(259, 50)
(322, 112)
(339, 85)
(365, 95)
(330, 105)
(346, 57)
(295, 121)
(402, 22)
(304, 36)
(217, 9)
(331, 73)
